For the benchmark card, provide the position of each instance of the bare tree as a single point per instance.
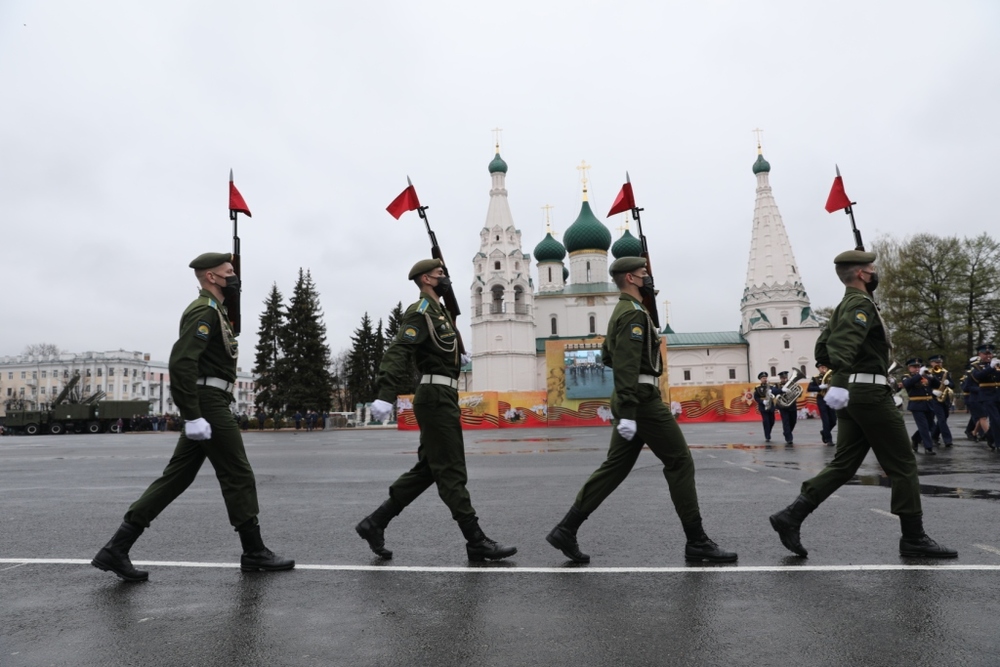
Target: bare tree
(41, 349)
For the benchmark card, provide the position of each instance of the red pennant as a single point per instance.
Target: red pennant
(236, 202)
(838, 199)
(406, 201)
(624, 202)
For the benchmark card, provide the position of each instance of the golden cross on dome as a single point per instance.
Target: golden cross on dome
(758, 132)
(548, 225)
(583, 176)
(624, 227)
(496, 136)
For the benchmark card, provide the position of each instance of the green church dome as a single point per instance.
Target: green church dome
(587, 232)
(761, 165)
(627, 246)
(498, 165)
(549, 250)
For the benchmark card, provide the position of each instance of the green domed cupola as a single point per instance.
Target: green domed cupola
(761, 165)
(627, 246)
(587, 232)
(549, 250)
(498, 165)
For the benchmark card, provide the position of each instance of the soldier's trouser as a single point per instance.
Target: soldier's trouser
(870, 422)
(828, 417)
(767, 418)
(441, 455)
(226, 454)
(941, 428)
(923, 428)
(657, 428)
(788, 419)
(991, 409)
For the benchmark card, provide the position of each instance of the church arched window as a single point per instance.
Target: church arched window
(555, 328)
(496, 265)
(773, 371)
(550, 274)
(588, 272)
(593, 324)
(788, 344)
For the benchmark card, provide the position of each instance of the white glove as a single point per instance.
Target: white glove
(996, 362)
(936, 392)
(824, 386)
(198, 429)
(947, 383)
(836, 397)
(381, 410)
(923, 370)
(626, 428)
(466, 358)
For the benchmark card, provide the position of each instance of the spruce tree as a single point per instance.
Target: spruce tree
(304, 371)
(391, 331)
(269, 352)
(361, 369)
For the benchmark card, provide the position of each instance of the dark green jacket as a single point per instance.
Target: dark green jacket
(855, 339)
(426, 333)
(627, 349)
(201, 351)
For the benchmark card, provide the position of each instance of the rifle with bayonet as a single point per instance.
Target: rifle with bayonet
(624, 202)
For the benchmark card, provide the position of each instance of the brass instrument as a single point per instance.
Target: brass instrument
(791, 391)
(768, 400)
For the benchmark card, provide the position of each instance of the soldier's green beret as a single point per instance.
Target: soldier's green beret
(424, 266)
(855, 257)
(627, 264)
(210, 260)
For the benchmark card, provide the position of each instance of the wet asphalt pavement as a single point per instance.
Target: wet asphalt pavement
(853, 601)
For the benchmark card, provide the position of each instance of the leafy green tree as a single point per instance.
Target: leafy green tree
(272, 321)
(303, 373)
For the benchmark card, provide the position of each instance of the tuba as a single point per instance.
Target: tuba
(792, 391)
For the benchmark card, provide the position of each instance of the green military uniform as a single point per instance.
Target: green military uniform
(856, 346)
(427, 334)
(205, 348)
(856, 342)
(632, 348)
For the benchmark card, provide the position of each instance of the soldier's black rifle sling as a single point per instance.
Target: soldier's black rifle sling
(233, 305)
(450, 302)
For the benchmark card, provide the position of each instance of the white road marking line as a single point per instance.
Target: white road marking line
(834, 495)
(499, 569)
(986, 547)
(749, 469)
(712, 456)
(12, 567)
(883, 513)
(730, 463)
(778, 479)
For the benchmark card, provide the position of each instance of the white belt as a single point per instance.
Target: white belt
(867, 378)
(439, 379)
(218, 383)
(649, 379)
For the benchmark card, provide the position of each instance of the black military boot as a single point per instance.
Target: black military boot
(563, 536)
(915, 542)
(788, 521)
(113, 556)
(258, 558)
(479, 547)
(372, 527)
(701, 549)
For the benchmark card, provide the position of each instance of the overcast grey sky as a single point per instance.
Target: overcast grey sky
(121, 120)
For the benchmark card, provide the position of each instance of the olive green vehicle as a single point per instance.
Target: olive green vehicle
(89, 415)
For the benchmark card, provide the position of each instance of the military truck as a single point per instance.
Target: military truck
(69, 414)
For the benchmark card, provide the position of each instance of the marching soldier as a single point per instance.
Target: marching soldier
(919, 386)
(427, 335)
(941, 405)
(827, 416)
(790, 414)
(985, 373)
(632, 350)
(858, 347)
(202, 373)
(763, 395)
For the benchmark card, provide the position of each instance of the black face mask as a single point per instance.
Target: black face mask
(647, 289)
(443, 286)
(873, 283)
(231, 290)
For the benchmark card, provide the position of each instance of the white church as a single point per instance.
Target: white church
(512, 317)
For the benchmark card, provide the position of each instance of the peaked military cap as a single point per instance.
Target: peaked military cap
(985, 347)
(782, 374)
(937, 357)
(210, 260)
(915, 361)
(424, 266)
(762, 374)
(855, 257)
(627, 264)
(820, 363)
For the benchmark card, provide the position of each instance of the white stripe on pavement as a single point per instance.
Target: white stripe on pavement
(500, 568)
(883, 512)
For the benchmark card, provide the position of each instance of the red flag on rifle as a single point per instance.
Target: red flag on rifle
(838, 199)
(236, 202)
(406, 201)
(625, 200)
